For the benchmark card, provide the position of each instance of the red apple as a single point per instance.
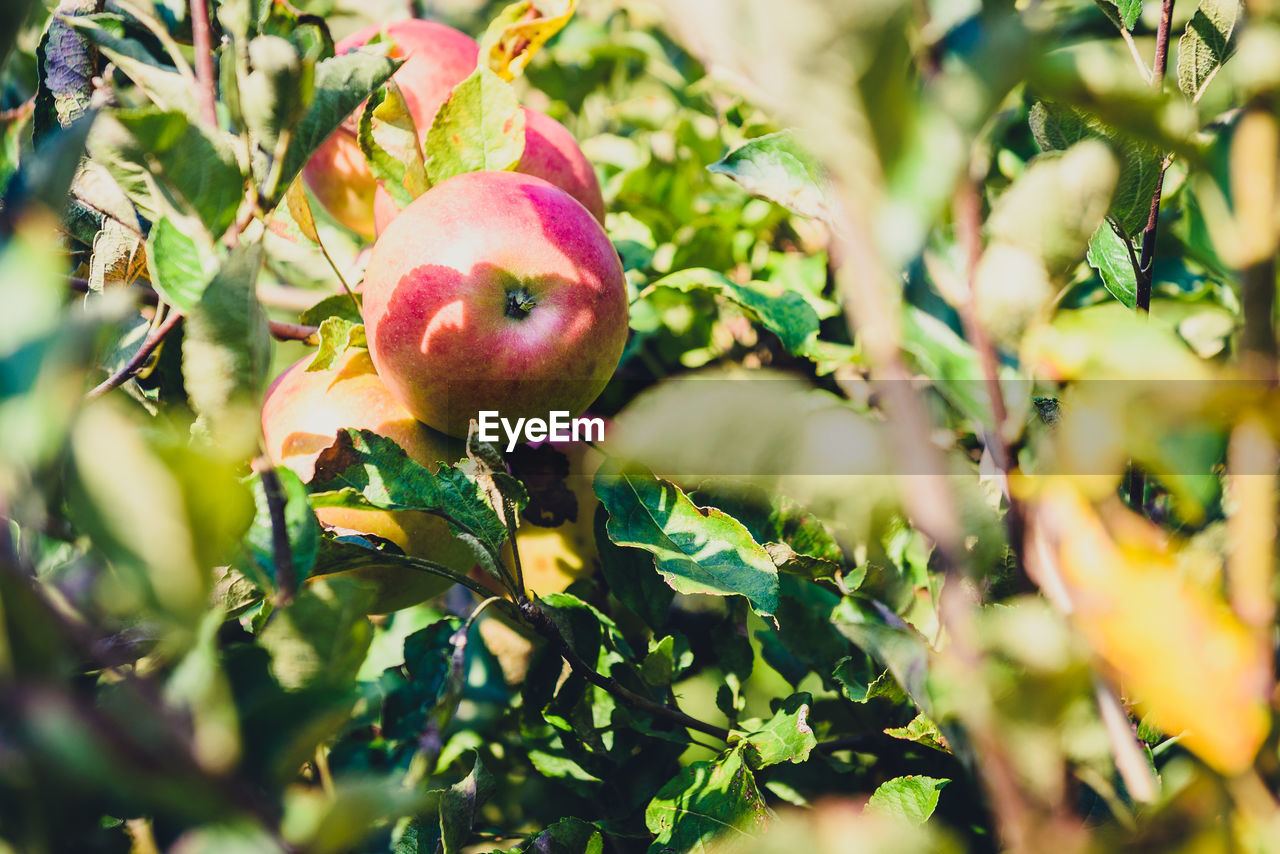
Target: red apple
(437, 58)
(301, 417)
(494, 291)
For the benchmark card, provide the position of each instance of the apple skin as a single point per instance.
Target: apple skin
(443, 293)
(301, 416)
(437, 58)
(550, 153)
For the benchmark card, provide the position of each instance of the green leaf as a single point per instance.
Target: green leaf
(425, 681)
(321, 637)
(342, 84)
(389, 139)
(226, 347)
(1109, 254)
(1206, 44)
(162, 83)
(705, 800)
(912, 799)
(459, 806)
(666, 660)
(785, 313)
(180, 267)
(776, 168)
(786, 559)
(275, 94)
(1124, 12)
(1080, 180)
(855, 689)
(922, 731)
(480, 127)
(951, 362)
(300, 523)
(363, 469)
(336, 337)
(1058, 127)
(697, 550)
(560, 767)
(338, 305)
(201, 168)
(786, 737)
(632, 577)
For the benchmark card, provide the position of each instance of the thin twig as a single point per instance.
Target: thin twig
(207, 91)
(968, 216)
(1146, 270)
(280, 330)
(130, 368)
(1146, 266)
(545, 626)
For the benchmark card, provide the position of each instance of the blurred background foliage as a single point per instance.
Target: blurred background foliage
(990, 448)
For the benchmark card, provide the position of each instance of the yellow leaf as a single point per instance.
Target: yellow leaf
(520, 30)
(300, 209)
(1175, 647)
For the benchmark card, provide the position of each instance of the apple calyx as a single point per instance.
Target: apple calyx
(519, 303)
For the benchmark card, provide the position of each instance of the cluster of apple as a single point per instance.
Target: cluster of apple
(493, 291)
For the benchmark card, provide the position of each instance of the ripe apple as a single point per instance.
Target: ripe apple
(494, 291)
(301, 417)
(437, 58)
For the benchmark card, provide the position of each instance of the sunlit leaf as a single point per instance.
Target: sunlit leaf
(1112, 256)
(1206, 44)
(698, 550)
(391, 145)
(706, 800)
(519, 31)
(480, 127)
(786, 737)
(337, 335)
(912, 799)
(775, 167)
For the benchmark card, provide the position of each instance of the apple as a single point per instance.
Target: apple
(301, 417)
(494, 291)
(437, 58)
